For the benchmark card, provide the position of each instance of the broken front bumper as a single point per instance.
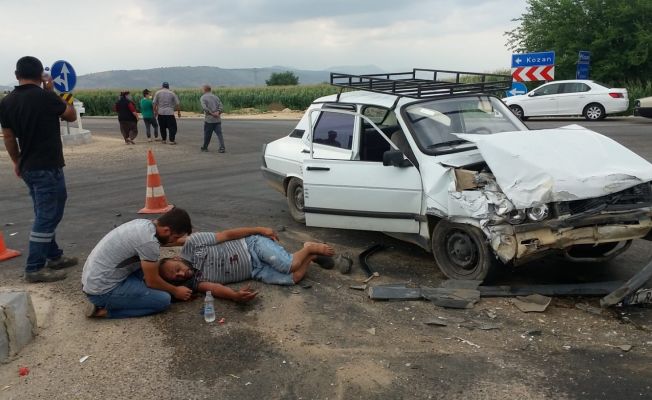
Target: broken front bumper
(518, 243)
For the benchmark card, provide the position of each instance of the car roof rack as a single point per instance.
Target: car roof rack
(423, 83)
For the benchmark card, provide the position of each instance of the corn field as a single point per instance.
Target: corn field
(100, 102)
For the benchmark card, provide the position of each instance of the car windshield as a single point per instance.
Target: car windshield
(434, 123)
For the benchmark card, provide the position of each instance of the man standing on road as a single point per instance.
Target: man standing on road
(120, 276)
(32, 136)
(212, 107)
(165, 103)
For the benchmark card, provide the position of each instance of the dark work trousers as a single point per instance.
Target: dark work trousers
(167, 123)
(209, 128)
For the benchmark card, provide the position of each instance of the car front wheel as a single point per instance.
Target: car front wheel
(518, 111)
(295, 199)
(461, 251)
(594, 112)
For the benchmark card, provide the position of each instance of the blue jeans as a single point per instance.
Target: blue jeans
(132, 298)
(209, 128)
(271, 263)
(47, 188)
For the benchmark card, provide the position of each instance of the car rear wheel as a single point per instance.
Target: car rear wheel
(594, 112)
(518, 111)
(461, 251)
(295, 199)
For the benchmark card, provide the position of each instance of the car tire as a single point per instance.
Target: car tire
(295, 199)
(518, 111)
(594, 112)
(461, 251)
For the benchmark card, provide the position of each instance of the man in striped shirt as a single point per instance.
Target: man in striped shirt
(209, 260)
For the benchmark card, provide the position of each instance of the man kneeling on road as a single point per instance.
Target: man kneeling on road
(210, 260)
(121, 277)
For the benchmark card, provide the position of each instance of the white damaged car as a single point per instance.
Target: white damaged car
(430, 158)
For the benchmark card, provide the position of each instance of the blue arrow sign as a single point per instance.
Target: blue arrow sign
(582, 71)
(584, 57)
(64, 77)
(517, 88)
(533, 59)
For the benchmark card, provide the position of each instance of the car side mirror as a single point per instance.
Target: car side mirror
(395, 158)
(531, 94)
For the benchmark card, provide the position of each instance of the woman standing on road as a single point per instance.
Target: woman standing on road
(147, 111)
(127, 117)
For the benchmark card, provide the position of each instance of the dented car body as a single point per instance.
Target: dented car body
(459, 175)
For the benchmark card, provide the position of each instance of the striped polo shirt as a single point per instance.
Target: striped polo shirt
(224, 262)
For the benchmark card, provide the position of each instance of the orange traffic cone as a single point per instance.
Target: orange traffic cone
(6, 253)
(155, 202)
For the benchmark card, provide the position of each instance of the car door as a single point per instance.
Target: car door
(543, 100)
(359, 192)
(572, 98)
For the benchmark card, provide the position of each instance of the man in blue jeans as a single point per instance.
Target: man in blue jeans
(29, 116)
(120, 276)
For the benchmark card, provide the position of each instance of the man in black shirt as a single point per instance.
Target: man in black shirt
(29, 116)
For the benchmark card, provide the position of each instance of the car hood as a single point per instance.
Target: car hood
(563, 164)
(512, 99)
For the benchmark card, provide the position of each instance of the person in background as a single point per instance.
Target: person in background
(127, 117)
(29, 116)
(165, 103)
(212, 107)
(147, 112)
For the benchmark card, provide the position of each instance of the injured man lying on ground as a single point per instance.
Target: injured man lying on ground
(208, 261)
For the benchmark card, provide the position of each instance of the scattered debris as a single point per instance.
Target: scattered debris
(460, 284)
(566, 347)
(281, 228)
(221, 321)
(451, 298)
(534, 332)
(437, 321)
(295, 291)
(81, 360)
(9, 224)
(13, 234)
(394, 291)
(5, 387)
(118, 214)
(466, 341)
(358, 287)
(588, 308)
(304, 284)
(629, 287)
(624, 347)
(23, 371)
(532, 303)
(574, 289)
(248, 383)
(641, 296)
(372, 276)
(234, 376)
(372, 331)
(364, 257)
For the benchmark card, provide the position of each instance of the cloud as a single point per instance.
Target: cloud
(121, 34)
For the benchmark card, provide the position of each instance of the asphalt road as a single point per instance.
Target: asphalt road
(106, 187)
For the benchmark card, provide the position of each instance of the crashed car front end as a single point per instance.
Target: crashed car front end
(536, 193)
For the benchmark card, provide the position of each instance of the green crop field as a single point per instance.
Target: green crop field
(100, 102)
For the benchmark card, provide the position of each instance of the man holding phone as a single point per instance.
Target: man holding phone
(29, 116)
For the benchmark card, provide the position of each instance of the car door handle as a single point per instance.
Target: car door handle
(305, 151)
(318, 169)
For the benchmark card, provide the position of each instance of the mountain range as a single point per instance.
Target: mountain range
(182, 77)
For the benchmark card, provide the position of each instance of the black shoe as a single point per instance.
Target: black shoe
(221, 150)
(203, 149)
(62, 262)
(45, 275)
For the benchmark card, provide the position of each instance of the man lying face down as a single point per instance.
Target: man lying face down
(209, 260)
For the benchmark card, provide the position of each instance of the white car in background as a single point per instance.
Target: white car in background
(440, 163)
(643, 107)
(588, 98)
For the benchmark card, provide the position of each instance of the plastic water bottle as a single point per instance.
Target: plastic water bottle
(209, 307)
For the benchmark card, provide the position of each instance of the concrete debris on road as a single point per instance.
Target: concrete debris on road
(532, 303)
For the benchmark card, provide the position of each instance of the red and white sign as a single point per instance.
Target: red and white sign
(540, 73)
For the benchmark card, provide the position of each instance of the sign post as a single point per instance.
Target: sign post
(583, 65)
(64, 80)
(533, 66)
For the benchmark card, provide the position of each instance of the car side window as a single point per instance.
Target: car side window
(334, 129)
(546, 90)
(575, 87)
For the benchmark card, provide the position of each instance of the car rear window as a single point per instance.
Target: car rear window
(334, 129)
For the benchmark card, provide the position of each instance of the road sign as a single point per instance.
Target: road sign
(524, 74)
(584, 57)
(63, 76)
(582, 71)
(517, 88)
(533, 66)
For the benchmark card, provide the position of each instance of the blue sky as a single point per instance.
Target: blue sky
(140, 34)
